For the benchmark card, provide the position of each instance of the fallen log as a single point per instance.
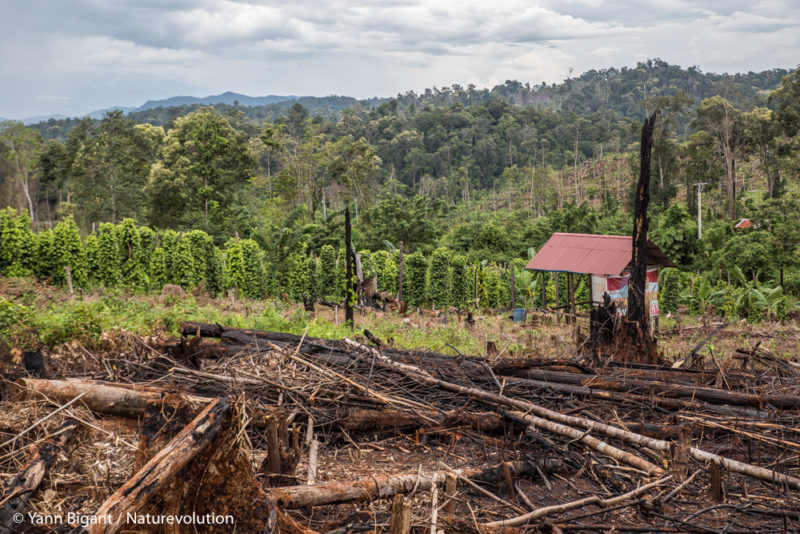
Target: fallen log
(494, 399)
(649, 387)
(128, 400)
(19, 491)
(159, 471)
(668, 403)
(386, 486)
(364, 420)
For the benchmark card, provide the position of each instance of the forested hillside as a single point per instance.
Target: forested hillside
(475, 175)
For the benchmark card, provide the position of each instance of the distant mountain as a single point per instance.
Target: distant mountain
(228, 97)
(39, 118)
(101, 112)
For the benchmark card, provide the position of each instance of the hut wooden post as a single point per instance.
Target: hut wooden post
(558, 300)
(544, 291)
(571, 296)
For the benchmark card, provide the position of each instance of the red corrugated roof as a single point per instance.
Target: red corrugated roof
(592, 254)
(744, 223)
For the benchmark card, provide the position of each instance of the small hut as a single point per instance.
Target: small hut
(606, 260)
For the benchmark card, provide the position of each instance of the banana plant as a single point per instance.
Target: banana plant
(702, 296)
(527, 282)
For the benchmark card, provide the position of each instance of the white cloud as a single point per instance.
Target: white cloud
(74, 56)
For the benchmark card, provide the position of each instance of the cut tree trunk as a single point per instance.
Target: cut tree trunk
(128, 400)
(159, 471)
(385, 486)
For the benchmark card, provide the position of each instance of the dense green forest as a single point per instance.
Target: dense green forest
(456, 174)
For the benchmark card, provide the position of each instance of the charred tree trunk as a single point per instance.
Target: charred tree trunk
(637, 330)
(158, 472)
(27, 482)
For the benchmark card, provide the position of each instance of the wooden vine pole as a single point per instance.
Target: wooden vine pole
(349, 289)
(400, 276)
(160, 470)
(530, 408)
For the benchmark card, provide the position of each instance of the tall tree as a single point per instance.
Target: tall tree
(202, 165)
(21, 146)
(110, 168)
(723, 121)
(761, 134)
(665, 147)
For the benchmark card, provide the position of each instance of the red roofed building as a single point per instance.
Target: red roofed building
(606, 258)
(602, 255)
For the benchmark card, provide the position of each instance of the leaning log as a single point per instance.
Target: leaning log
(21, 488)
(160, 470)
(386, 486)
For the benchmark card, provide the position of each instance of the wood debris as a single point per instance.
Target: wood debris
(287, 433)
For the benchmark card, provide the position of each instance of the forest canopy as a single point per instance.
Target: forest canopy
(487, 174)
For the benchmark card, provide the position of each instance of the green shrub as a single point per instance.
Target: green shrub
(69, 251)
(326, 272)
(214, 276)
(791, 282)
(202, 248)
(13, 317)
(107, 256)
(439, 278)
(463, 282)
(387, 273)
(495, 294)
(368, 268)
(244, 269)
(17, 244)
(91, 250)
(46, 263)
(133, 263)
(298, 279)
(148, 238)
(414, 275)
(669, 290)
(183, 271)
(158, 269)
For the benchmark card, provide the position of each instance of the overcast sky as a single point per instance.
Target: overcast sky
(76, 56)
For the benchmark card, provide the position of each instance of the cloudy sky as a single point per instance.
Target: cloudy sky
(76, 56)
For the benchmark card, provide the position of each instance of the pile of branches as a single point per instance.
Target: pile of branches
(353, 435)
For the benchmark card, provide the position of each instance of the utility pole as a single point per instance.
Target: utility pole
(700, 209)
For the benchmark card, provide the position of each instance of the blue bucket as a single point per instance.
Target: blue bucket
(519, 315)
